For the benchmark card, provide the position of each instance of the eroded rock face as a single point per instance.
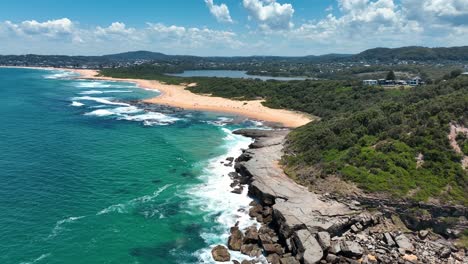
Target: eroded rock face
(220, 253)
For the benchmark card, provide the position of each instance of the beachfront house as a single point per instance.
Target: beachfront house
(370, 82)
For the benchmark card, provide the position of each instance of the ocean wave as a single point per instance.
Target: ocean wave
(115, 111)
(41, 257)
(215, 198)
(122, 208)
(100, 112)
(102, 100)
(101, 92)
(92, 84)
(151, 118)
(103, 84)
(77, 104)
(59, 225)
(60, 74)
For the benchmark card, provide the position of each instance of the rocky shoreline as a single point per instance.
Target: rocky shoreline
(299, 226)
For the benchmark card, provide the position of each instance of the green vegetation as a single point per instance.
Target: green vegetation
(391, 76)
(367, 135)
(377, 147)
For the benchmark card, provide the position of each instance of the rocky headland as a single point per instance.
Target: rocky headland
(301, 226)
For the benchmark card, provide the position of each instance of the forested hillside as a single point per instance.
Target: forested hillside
(378, 147)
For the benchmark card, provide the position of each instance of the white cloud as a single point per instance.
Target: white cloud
(220, 12)
(67, 38)
(270, 14)
(116, 28)
(50, 28)
(192, 37)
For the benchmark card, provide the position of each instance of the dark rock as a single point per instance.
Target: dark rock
(235, 262)
(389, 240)
(256, 210)
(332, 258)
(247, 262)
(251, 250)
(273, 248)
(220, 253)
(351, 249)
(445, 252)
(251, 235)
(238, 190)
(324, 239)
(235, 239)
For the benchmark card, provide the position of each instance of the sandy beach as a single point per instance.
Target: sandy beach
(177, 95)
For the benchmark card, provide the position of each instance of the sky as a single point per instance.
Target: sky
(228, 27)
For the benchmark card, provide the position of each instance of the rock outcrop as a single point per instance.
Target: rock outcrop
(220, 253)
(300, 226)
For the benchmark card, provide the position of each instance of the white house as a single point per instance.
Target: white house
(370, 82)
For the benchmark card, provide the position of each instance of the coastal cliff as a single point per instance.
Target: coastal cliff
(300, 226)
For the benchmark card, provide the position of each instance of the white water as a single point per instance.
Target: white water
(214, 197)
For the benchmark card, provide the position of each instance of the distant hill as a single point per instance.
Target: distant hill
(137, 55)
(382, 55)
(414, 53)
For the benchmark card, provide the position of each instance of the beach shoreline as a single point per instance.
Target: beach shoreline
(178, 96)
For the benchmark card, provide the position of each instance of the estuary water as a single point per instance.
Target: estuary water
(232, 74)
(88, 175)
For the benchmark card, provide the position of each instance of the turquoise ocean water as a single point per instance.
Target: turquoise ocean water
(89, 176)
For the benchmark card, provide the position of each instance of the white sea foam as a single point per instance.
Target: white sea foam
(103, 84)
(59, 226)
(102, 100)
(101, 92)
(78, 104)
(60, 74)
(41, 257)
(100, 112)
(122, 208)
(151, 118)
(92, 84)
(119, 111)
(215, 198)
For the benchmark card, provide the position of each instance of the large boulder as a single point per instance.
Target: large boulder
(404, 243)
(251, 235)
(308, 247)
(351, 249)
(273, 248)
(220, 253)
(251, 250)
(235, 239)
(324, 239)
(389, 240)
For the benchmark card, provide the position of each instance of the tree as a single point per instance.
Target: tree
(391, 75)
(455, 73)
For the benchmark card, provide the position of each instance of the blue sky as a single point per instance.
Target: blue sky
(228, 27)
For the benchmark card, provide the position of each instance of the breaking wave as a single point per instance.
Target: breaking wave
(122, 208)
